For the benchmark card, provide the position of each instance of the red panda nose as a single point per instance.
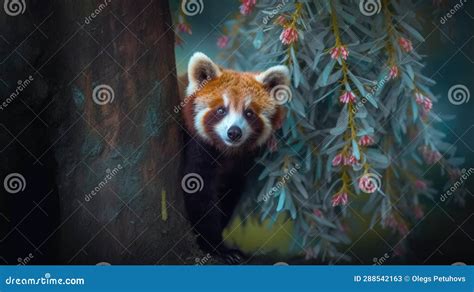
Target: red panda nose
(234, 133)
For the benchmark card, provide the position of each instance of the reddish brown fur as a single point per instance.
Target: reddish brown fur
(237, 86)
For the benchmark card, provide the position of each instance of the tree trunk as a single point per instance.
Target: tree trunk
(117, 142)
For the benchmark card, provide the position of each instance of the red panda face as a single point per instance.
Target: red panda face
(232, 110)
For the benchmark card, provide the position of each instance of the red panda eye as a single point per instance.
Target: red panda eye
(249, 113)
(221, 111)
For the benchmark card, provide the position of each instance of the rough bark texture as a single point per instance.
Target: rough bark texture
(134, 139)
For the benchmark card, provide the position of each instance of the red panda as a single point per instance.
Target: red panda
(229, 116)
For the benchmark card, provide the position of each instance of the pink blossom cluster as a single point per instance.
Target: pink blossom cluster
(405, 44)
(393, 73)
(368, 184)
(223, 41)
(347, 97)
(339, 199)
(430, 156)
(366, 140)
(344, 160)
(247, 6)
(424, 101)
(340, 51)
(184, 27)
(397, 225)
(289, 35)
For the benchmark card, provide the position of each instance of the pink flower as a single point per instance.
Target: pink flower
(317, 213)
(419, 98)
(289, 35)
(393, 72)
(349, 160)
(427, 104)
(419, 213)
(420, 185)
(184, 27)
(336, 161)
(281, 20)
(369, 183)
(366, 140)
(405, 44)
(347, 97)
(223, 41)
(339, 51)
(430, 156)
(339, 199)
(397, 225)
(247, 6)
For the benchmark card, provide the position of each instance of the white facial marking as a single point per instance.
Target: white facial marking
(266, 132)
(248, 100)
(233, 118)
(199, 123)
(226, 100)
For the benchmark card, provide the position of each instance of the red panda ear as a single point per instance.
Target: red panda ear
(200, 69)
(274, 76)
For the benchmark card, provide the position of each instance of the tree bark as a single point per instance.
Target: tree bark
(116, 142)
